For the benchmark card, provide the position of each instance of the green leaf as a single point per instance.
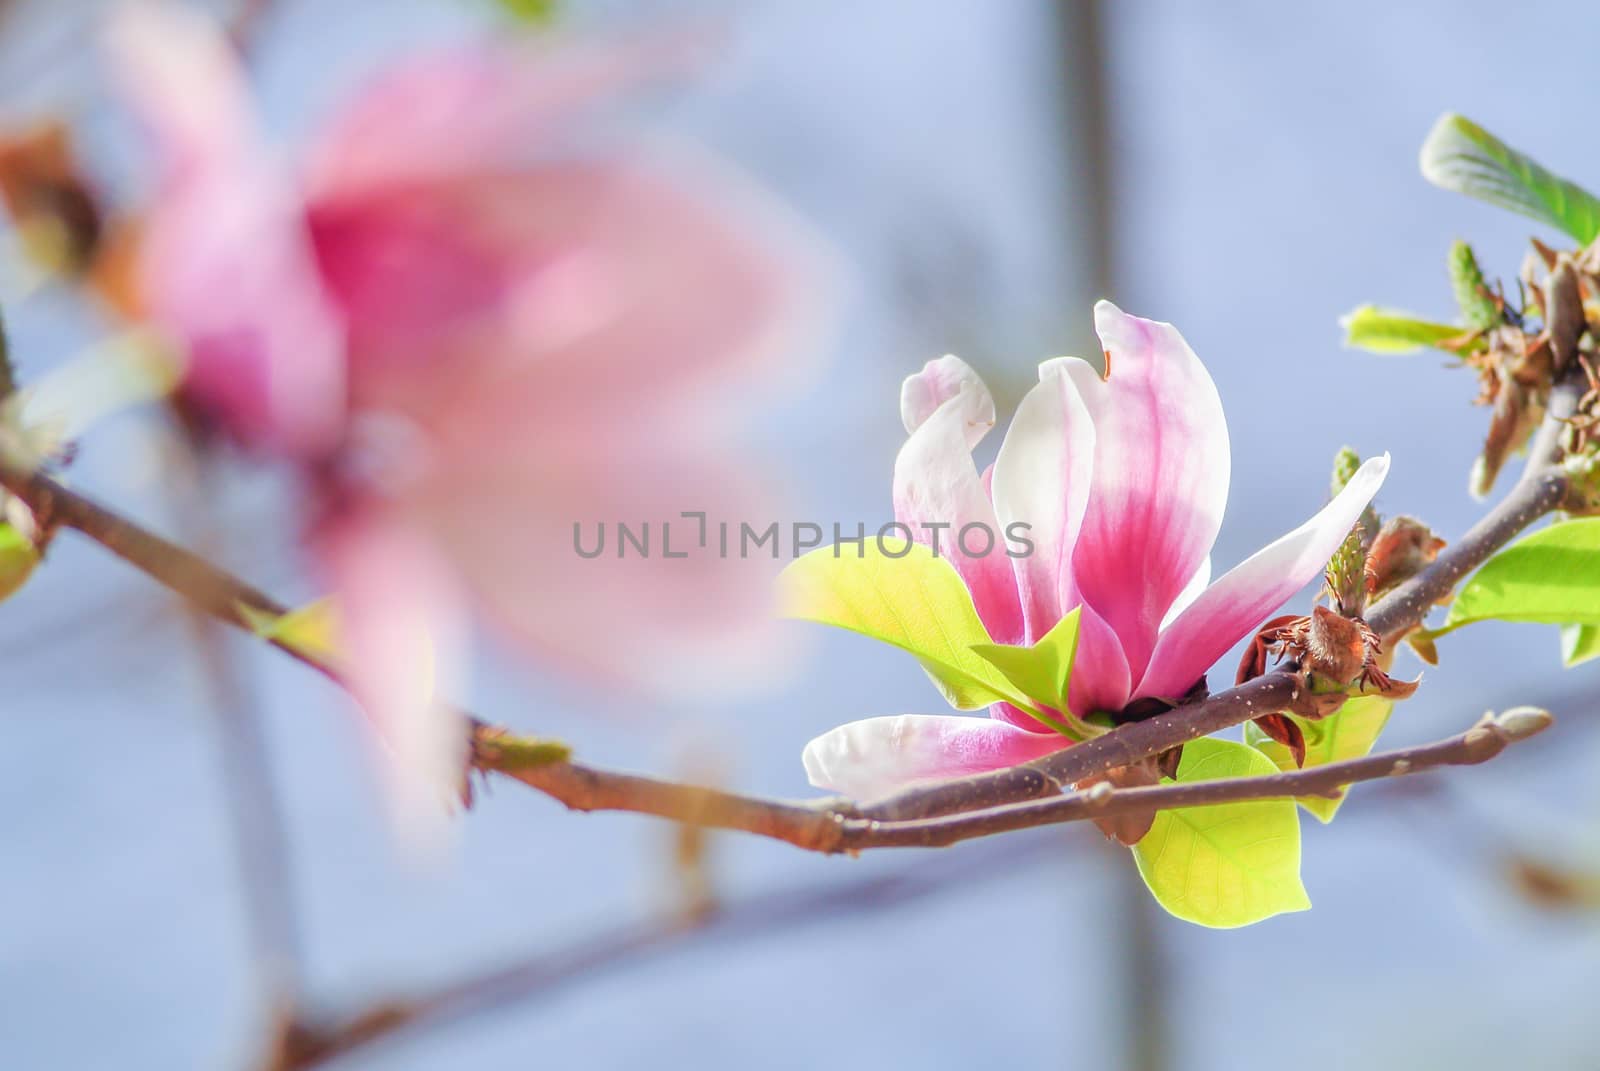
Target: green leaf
(1043, 672)
(1460, 155)
(18, 557)
(1227, 865)
(1390, 331)
(1579, 643)
(312, 630)
(1551, 576)
(917, 602)
(1349, 733)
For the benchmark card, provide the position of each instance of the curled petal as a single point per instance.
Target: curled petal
(1160, 477)
(1042, 480)
(1238, 602)
(940, 497)
(939, 381)
(877, 756)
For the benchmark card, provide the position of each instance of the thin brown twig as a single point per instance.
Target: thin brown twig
(308, 1045)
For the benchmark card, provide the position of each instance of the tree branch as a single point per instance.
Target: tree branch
(1538, 491)
(831, 825)
(1479, 744)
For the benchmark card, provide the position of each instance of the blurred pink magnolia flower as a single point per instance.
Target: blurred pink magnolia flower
(1123, 481)
(468, 349)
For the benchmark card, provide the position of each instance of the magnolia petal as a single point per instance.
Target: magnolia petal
(1101, 680)
(1238, 602)
(939, 496)
(877, 756)
(1042, 480)
(1191, 591)
(939, 381)
(1160, 477)
(402, 648)
(474, 109)
(176, 67)
(686, 609)
(225, 267)
(566, 288)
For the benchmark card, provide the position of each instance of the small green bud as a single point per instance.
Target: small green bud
(1478, 310)
(1345, 464)
(1346, 575)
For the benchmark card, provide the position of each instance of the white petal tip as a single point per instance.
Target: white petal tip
(816, 759)
(1374, 470)
(940, 381)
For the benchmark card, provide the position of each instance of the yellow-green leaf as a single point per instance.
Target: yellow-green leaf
(1460, 155)
(1044, 671)
(1349, 733)
(1390, 331)
(1579, 643)
(1550, 577)
(1228, 865)
(311, 630)
(916, 602)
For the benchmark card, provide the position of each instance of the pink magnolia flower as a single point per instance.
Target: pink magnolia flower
(470, 336)
(1123, 481)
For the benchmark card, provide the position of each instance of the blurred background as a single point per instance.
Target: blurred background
(984, 171)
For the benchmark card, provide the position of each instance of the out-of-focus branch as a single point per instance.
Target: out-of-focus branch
(315, 1044)
(260, 839)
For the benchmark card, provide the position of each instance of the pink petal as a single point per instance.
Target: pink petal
(473, 110)
(401, 632)
(1191, 591)
(939, 381)
(569, 284)
(1160, 477)
(1042, 480)
(1244, 597)
(180, 74)
(225, 267)
(936, 482)
(684, 619)
(1101, 680)
(872, 758)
